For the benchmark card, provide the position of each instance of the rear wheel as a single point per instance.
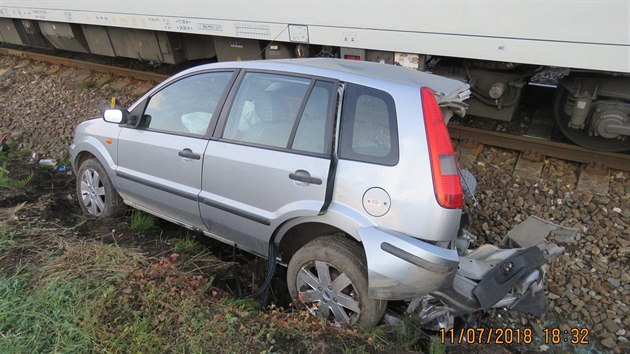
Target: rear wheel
(329, 276)
(97, 195)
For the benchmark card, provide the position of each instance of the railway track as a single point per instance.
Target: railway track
(532, 145)
(86, 65)
(541, 147)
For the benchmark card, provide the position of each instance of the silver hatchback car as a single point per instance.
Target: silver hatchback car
(341, 170)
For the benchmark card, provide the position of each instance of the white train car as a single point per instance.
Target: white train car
(495, 45)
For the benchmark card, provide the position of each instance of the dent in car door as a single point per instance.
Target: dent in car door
(272, 159)
(160, 162)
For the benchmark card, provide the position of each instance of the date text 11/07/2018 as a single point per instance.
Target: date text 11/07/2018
(508, 335)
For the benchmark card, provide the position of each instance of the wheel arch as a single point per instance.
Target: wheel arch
(295, 233)
(92, 148)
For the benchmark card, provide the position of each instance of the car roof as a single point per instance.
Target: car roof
(361, 72)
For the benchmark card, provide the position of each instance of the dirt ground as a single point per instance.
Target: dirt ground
(48, 205)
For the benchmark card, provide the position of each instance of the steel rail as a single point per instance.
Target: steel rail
(86, 65)
(543, 147)
(487, 137)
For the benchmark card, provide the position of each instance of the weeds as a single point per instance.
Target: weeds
(87, 84)
(188, 244)
(436, 347)
(6, 238)
(141, 221)
(7, 181)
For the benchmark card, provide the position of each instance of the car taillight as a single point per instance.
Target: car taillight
(446, 182)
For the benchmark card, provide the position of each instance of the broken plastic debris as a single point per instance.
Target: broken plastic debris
(48, 162)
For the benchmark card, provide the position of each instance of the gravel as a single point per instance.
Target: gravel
(40, 110)
(588, 285)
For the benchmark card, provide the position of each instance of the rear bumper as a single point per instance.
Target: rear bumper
(401, 267)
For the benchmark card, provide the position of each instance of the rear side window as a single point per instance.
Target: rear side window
(368, 126)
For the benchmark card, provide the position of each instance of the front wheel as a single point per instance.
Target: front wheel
(97, 195)
(329, 275)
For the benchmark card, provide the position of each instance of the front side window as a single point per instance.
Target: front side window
(188, 105)
(368, 126)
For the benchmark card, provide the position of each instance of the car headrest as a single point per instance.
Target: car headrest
(270, 107)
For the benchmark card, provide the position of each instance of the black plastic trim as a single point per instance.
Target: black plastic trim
(188, 154)
(155, 185)
(244, 214)
(415, 260)
(306, 179)
(501, 279)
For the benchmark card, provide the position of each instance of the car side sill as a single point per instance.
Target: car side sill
(155, 185)
(244, 214)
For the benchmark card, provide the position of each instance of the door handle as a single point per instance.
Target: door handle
(304, 176)
(188, 154)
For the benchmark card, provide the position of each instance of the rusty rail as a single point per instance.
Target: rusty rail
(548, 148)
(85, 65)
(486, 137)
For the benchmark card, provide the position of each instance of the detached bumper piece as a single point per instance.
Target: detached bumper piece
(509, 276)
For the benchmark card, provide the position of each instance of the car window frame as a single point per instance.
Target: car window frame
(346, 152)
(219, 129)
(141, 108)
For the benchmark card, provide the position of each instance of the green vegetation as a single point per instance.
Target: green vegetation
(46, 318)
(436, 347)
(94, 297)
(87, 84)
(188, 244)
(141, 221)
(7, 181)
(6, 238)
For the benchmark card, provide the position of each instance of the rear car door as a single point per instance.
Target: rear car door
(269, 158)
(160, 161)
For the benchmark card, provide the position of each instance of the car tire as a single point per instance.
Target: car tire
(96, 193)
(339, 293)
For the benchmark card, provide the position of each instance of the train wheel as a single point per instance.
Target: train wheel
(581, 136)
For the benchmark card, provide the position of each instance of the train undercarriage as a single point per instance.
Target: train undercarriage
(591, 108)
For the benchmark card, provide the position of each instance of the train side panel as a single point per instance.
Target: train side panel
(575, 34)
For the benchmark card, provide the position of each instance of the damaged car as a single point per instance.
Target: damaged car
(342, 171)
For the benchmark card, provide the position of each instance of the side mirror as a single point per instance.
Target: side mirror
(114, 112)
(113, 115)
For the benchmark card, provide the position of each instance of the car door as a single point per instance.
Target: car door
(269, 158)
(160, 161)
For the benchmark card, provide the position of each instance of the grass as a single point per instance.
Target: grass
(6, 238)
(141, 221)
(93, 297)
(46, 318)
(436, 347)
(188, 244)
(7, 181)
(50, 309)
(87, 84)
